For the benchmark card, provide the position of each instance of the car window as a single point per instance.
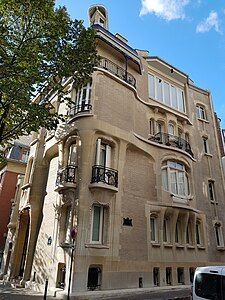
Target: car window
(208, 286)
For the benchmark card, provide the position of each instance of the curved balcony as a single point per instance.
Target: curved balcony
(116, 70)
(172, 141)
(104, 177)
(80, 108)
(66, 178)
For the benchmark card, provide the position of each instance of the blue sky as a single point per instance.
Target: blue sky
(189, 34)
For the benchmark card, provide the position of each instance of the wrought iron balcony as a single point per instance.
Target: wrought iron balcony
(173, 141)
(113, 68)
(66, 177)
(105, 175)
(80, 108)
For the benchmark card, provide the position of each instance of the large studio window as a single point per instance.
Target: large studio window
(175, 179)
(166, 93)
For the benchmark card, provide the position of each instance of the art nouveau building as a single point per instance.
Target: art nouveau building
(136, 169)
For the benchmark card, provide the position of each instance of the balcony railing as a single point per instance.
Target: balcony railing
(173, 141)
(105, 175)
(113, 68)
(66, 175)
(80, 108)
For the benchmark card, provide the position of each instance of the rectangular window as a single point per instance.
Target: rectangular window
(198, 233)
(156, 276)
(153, 228)
(151, 85)
(168, 276)
(97, 224)
(219, 235)
(180, 275)
(200, 112)
(103, 154)
(211, 191)
(206, 145)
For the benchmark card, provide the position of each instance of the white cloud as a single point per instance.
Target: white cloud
(166, 9)
(211, 22)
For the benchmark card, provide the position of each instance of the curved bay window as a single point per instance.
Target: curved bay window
(81, 99)
(175, 179)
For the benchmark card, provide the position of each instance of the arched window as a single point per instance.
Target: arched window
(159, 127)
(171, 129)
(175, 179)
(72, 154)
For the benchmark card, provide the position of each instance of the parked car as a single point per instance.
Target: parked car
(209, 283)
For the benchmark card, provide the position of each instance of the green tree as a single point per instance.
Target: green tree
(39, 46)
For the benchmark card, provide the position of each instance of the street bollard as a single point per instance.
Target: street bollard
(46, 289)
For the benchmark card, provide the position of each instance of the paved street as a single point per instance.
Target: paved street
(178, 293)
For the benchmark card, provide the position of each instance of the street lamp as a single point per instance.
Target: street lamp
(73, 234)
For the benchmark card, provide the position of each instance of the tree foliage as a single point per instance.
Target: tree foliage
(39, 46)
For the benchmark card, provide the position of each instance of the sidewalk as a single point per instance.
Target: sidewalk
(7, 292)
(155, 293)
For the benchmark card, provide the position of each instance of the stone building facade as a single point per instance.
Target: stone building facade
(135, 169)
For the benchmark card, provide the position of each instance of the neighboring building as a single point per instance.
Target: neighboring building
(223, 140)
(16, 156)
(136, 170)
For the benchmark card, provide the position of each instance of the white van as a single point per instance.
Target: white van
(209, 283)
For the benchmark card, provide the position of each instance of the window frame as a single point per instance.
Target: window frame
(211, 191)
(101, 146)
(101, 225)
(171, 171)
(201, 112)
(154, 233)
(219, 235)
(198, 233)
(205, 145)
(178, 103)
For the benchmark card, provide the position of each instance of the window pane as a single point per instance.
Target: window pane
(72, 154)
(211, 191)
(165, 179)
(171, 129)
(102, 155)
(180, 98)
(181, 183)
(174, 96)
(96, 223)
(198, 239)
(151, 86)
(208, 286)
(166, 93)
(159, 89)
(153, 229)
(173, 182)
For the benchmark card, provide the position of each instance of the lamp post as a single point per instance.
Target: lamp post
(73, 235)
